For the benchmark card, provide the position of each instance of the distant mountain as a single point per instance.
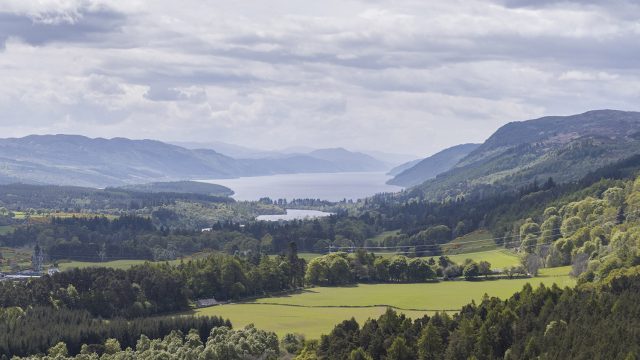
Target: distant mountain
(190, 187)
(565, 148)
(391, 159)
(402, 167)
(429, 168)
(231, 150)
(82, 161)
(349, 161)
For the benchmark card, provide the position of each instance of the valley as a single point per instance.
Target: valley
(307, 259)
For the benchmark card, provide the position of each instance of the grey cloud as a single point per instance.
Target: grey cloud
(88, 27)
(254, 77)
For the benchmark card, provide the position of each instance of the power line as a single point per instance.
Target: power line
(433, 246)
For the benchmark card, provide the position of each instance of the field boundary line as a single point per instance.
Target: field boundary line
(340, 306)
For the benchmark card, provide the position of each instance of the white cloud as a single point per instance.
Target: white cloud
(406, 76)
(588, 76)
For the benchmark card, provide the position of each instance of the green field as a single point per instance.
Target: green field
(315, 311)
(380, 237)
(499, 259)
(5, 229)
(121, 264)
(311, 322)
(20, 257)
(479, 240)
(116, 264)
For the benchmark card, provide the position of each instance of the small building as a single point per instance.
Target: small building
(201, 303)
(53, 270)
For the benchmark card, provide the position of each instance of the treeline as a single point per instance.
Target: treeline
(143, 290)
(222, 343)
(361, 267)
(37, 329)
(153, 289)
(596, 230)
(20, 197)
(590, 322)
(125, 237)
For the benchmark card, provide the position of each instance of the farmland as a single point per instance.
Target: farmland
(499, 259)
(477, 241)
(315, 311)
(121, 264)
(115, 264)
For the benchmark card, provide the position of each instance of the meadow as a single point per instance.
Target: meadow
(5, 229)
(476, 241)
(19, 257)
(115, 264)
(315, 311)
(121, 264)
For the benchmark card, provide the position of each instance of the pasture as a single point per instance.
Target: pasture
(499, 259)
(477, 241)
(122, 264)
(20, 258)
(5, 229)
(115, 264)
(315, 311)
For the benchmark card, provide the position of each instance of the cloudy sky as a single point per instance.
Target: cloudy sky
(401, 76)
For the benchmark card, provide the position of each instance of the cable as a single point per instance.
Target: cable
(457, 243)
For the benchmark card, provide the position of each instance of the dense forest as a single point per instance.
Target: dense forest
(153, 289)
(25, 332)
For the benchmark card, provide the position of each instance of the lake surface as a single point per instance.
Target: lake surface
(294, 214)
(324, 186)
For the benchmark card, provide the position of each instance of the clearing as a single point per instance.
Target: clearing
(315, 311)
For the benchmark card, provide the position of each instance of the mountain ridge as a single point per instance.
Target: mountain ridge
(432, 166)
(99, 162)
(564, 148)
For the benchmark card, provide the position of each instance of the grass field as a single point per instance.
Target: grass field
(20, 257)
(116, 264)
(311, 322)
(499, 259)
(120, 264)
(315, 311)
(477, 241)
(5, 229)
(380, 237)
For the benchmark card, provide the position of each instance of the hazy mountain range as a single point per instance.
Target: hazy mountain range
(562, 147)
(79, 160)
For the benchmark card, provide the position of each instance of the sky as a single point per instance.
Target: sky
(397, 76)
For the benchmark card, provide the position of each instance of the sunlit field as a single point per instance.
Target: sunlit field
(315, 311)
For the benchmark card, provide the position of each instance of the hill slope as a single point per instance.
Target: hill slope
(82, 161)
(432, 166)
(563, 147)
(192, 187)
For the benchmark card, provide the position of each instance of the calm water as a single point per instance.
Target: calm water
(293, 214)
(332, 187)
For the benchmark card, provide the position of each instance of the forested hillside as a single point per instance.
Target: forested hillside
(565, 148)
(432, 166)
(182, 187)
